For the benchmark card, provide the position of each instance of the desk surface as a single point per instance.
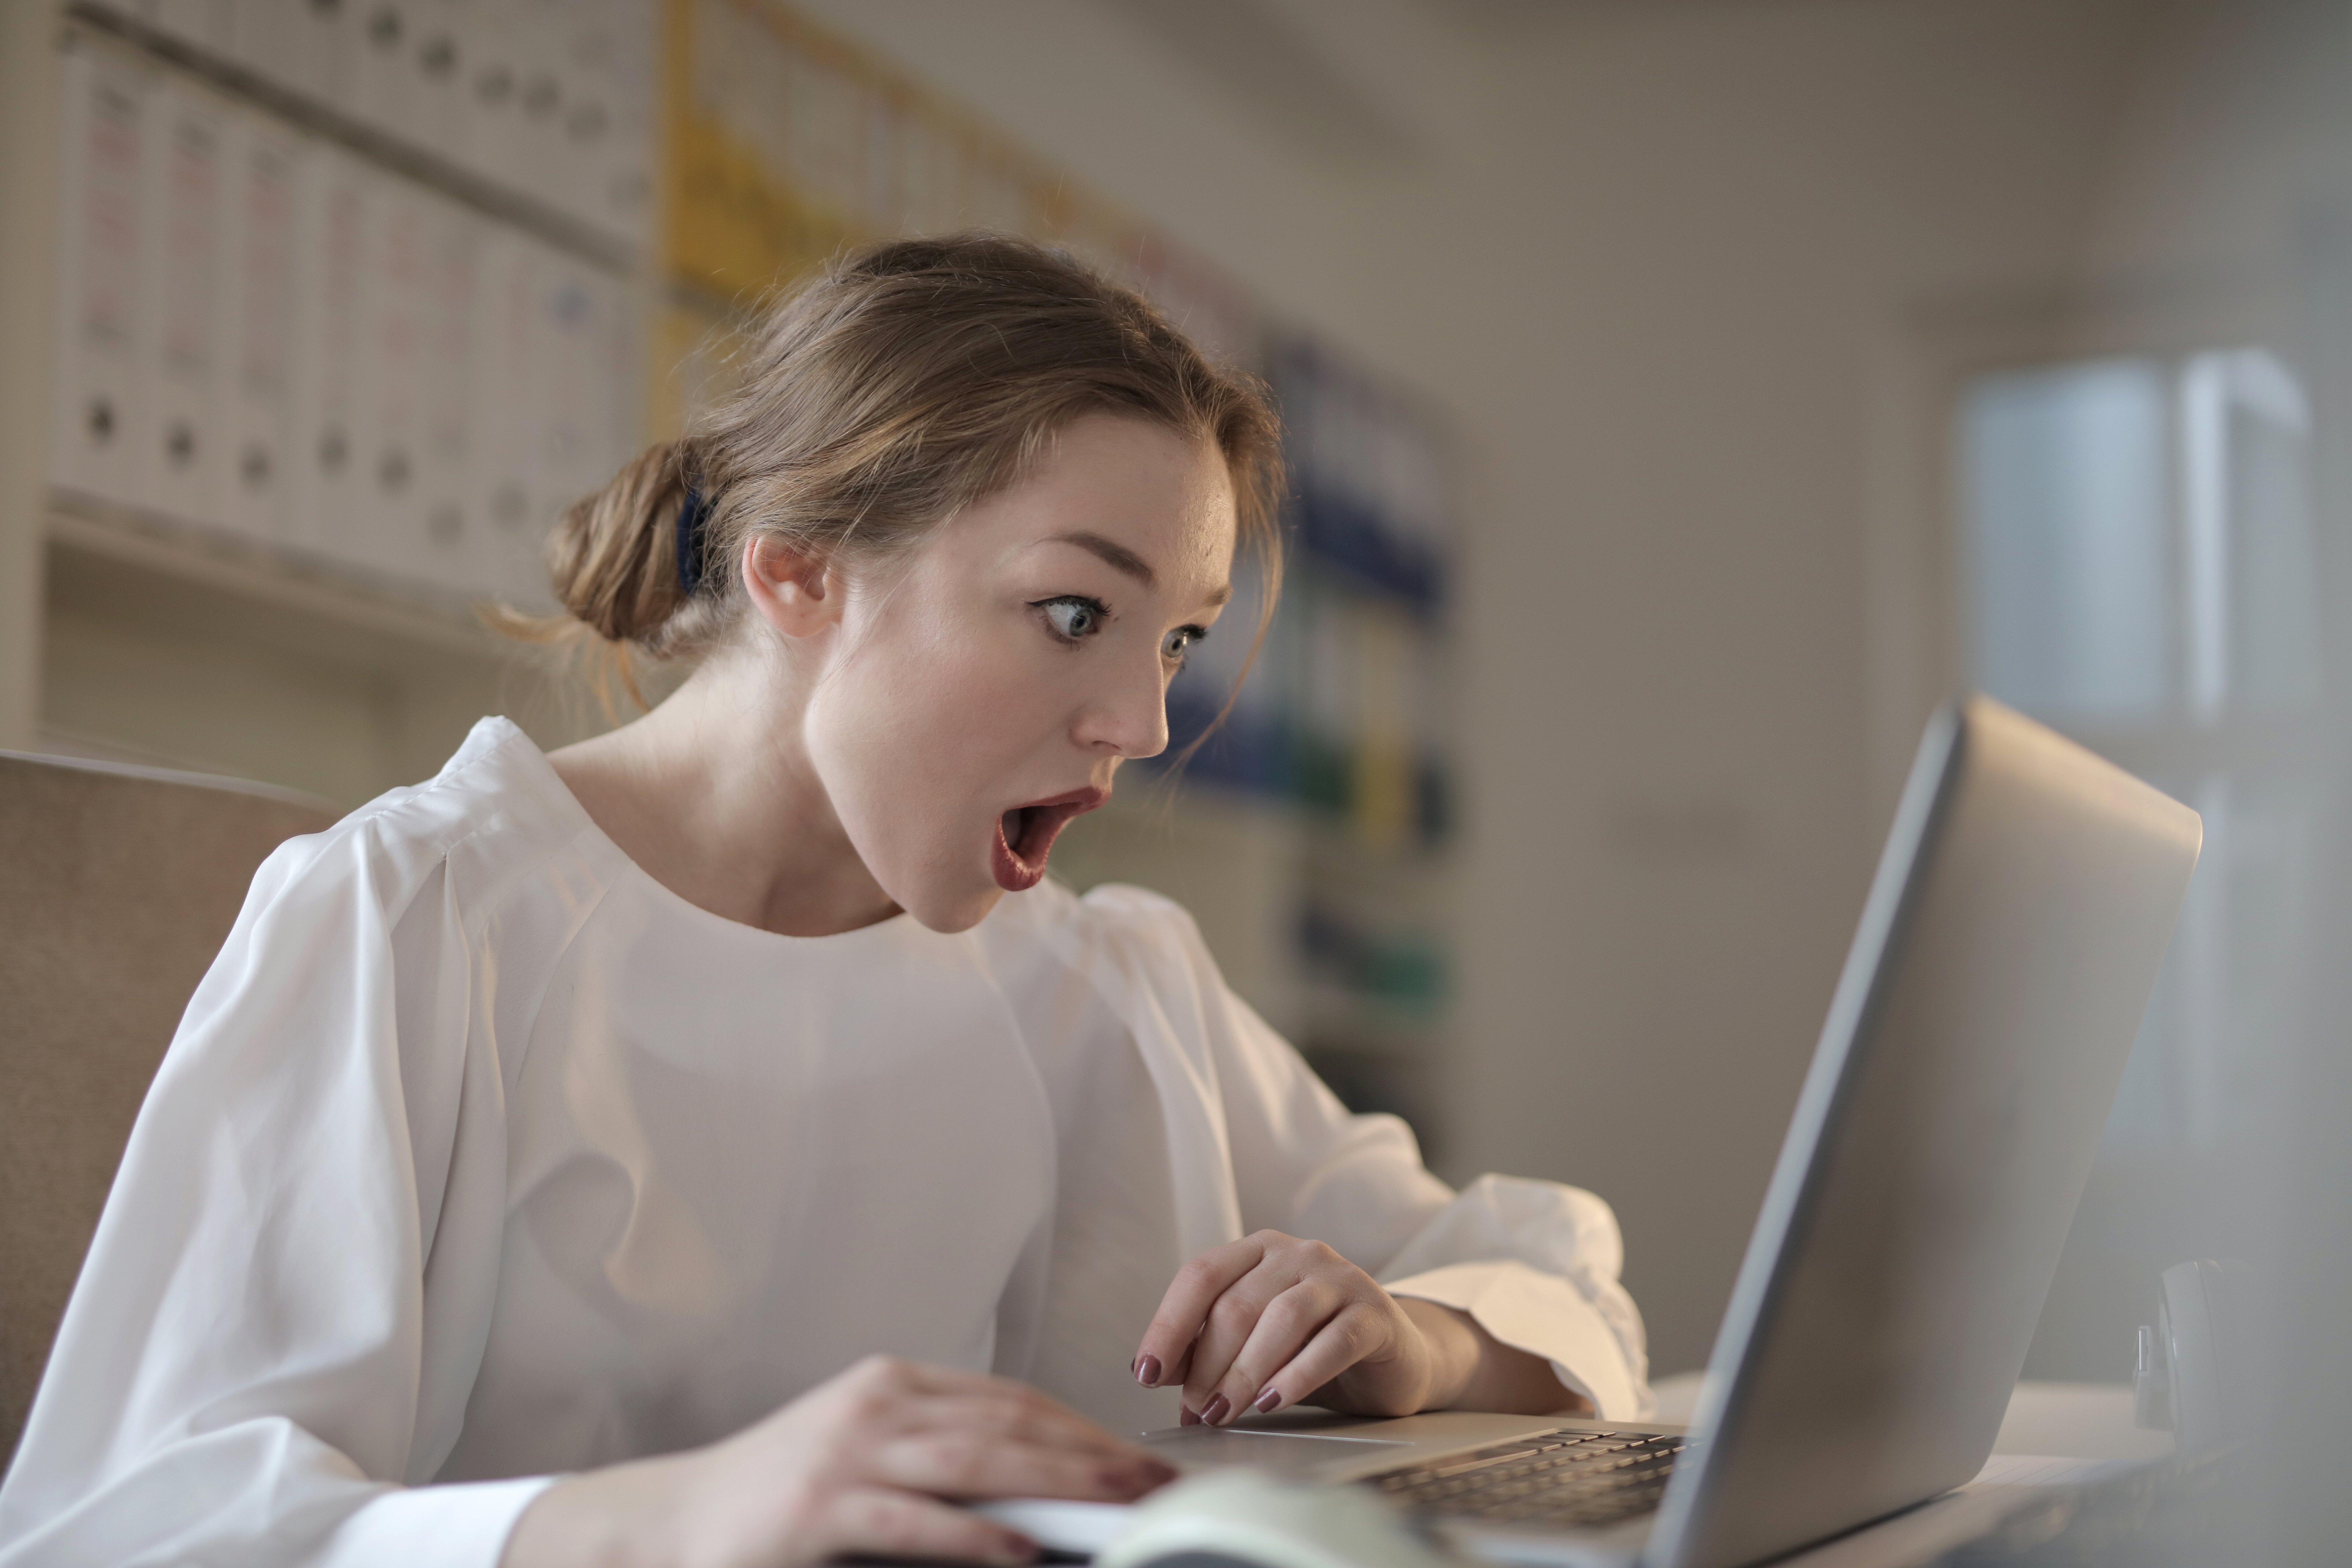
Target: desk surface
(2062, 1420)
(2055, 1434)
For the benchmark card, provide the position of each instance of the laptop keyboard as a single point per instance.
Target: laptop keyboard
(1550, 1477)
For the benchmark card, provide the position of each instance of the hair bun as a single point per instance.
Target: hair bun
(613, 557)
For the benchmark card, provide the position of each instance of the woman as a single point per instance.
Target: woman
(714, 1143)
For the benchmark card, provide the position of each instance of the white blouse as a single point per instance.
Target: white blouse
(481, 1157)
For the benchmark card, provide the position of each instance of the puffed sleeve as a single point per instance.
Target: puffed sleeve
(1535, 1263)
(283, 1307)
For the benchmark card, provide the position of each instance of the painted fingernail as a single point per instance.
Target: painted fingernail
(1215, 1412)
(1188, 1418)
(1147, 1371)
(1267, 1402)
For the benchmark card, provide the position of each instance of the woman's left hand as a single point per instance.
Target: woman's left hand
(1271, 1320)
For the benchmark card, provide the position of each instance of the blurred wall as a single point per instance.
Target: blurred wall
(2227, 217)
(1676, 820)
(1652, 259)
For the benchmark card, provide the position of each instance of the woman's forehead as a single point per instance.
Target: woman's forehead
(1129, 490)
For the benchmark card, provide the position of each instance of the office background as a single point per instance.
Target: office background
(1685, 393)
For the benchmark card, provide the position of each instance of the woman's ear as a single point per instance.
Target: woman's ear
(795, 591)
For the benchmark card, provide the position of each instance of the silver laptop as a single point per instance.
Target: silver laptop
(2006, 953)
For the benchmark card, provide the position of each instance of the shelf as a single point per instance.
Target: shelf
(162, 644)
(426, 167)
(263, 574)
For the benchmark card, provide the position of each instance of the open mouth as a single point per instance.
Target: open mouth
(1025, 835)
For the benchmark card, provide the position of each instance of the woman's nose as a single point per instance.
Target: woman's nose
(1129, 719)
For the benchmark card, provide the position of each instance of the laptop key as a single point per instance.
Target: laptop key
(1563, 1477)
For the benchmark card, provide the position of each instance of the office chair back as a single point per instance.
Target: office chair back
(116, 887)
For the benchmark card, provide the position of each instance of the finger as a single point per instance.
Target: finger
(1232, 1318)
(1289, 1322)
(892, 1395)
(1351, 1334)
(881, 1522)
(1023, 1417)
(1163, 1356)
(968, 1464)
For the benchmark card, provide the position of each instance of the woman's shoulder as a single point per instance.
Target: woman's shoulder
(495, 806)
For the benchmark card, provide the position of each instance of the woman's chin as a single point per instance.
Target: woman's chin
(950, 911)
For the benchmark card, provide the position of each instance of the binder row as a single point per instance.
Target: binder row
(264, 334)
(870, 154)
(788, 143)
(1348, 711)
(1370, 482)
(553, 100)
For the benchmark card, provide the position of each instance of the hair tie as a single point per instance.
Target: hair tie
(692, 514)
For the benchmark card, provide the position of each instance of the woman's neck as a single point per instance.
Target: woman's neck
(713, 795)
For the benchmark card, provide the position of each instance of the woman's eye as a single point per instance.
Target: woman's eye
(1072, 618)
(1181, 640)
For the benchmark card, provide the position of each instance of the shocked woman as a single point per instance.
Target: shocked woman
(715, 1142)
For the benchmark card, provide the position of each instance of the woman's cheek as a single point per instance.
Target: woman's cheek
(924, 742)
(998, 698)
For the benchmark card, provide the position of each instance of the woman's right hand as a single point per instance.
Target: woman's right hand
(855, 1465)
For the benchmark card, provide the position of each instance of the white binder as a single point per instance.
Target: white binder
(605, 176)
(574, 324)
(329, 440)
(493, 91)
(257, 313)
(395, 302)
(303, 46)
(505, 559)
(442, 106)
(386, 85)
(537, 163)
(448, 508)
(576, 411)
(184, 227)
(561, 405)
(100, 430)
(263, 38)
(624, 196)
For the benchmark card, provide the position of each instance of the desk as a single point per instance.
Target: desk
(2055, 1434)
(2059, 1420)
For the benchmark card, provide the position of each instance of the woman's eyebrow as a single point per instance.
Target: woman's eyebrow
(1117, 556)
(1123, 559)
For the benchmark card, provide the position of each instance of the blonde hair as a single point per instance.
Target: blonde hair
(909, 380)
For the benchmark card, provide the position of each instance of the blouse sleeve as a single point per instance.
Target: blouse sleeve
(269, 1340)
(1535, 1263)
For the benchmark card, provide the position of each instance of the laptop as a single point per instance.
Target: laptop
(2007, 951)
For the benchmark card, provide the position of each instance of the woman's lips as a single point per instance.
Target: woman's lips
(1025, 835)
